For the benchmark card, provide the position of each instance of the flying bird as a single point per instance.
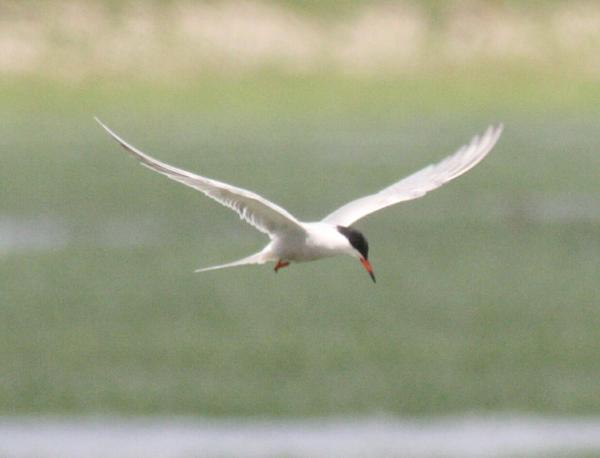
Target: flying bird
(292, 240)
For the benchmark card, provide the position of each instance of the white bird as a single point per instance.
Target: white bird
(295, 241)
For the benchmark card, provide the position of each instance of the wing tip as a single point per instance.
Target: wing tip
(97, 119)
(495, 133)
(110, 132)
(496, 130)
(142, 157)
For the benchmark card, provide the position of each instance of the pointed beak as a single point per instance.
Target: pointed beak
(367, 265)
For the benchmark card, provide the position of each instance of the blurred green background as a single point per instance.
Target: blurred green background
(487, 293)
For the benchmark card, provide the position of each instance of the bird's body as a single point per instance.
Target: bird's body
(296, 241)
(320, 240)
(317, 241)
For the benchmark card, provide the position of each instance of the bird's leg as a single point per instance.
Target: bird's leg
(280, 264)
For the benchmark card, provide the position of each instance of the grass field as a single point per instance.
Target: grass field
(487, 293)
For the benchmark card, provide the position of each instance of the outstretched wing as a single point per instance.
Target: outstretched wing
(252, 208)
(421, 182)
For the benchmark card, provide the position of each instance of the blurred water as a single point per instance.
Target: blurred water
(32, 234)
(21, 234)
(376, 437)
(42, 233)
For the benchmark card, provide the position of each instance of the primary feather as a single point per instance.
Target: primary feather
(419, 183)
(264, 215)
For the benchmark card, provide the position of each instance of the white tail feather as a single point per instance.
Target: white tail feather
(257, 258)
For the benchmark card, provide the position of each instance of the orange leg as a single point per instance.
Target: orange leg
(280, 264)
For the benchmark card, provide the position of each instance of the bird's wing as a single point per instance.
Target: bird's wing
(254, 209)
(421, 182)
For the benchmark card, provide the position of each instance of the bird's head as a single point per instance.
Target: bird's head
(360, 247)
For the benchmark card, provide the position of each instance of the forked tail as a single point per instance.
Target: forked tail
(257, 258)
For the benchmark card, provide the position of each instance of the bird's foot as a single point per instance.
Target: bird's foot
(280, 264)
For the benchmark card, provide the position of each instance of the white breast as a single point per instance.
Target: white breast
(321, 240)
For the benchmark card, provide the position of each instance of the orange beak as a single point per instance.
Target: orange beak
(367, 265)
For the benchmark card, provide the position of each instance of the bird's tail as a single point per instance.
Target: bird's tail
(257, 258)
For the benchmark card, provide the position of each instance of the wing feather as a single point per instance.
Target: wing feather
(264, 215)
(421, 182)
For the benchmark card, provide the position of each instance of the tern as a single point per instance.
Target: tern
(292, 240)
